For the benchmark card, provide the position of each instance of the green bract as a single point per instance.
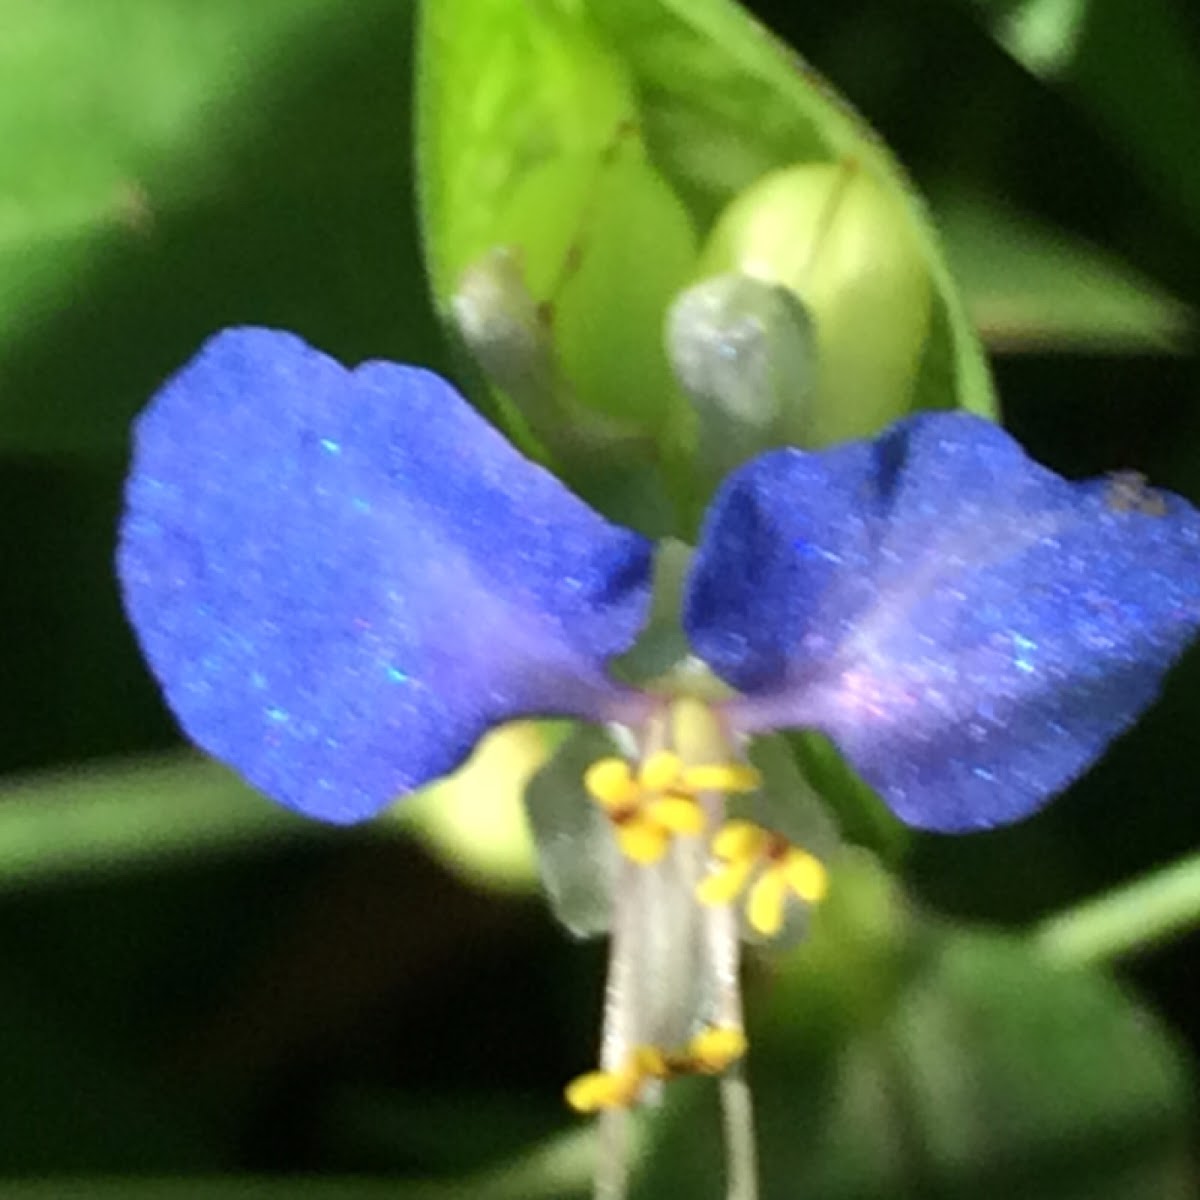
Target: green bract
(619, 152)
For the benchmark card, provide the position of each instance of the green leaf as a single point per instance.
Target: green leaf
(505, 90)
(1038, 1082)
(1132, 64)
(223, 1187)
(72, 1100)
(1032, 287)
(171, 168)
(112, 817)
(67, 191)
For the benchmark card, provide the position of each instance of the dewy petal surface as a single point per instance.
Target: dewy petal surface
(343, 578)
(969, 628)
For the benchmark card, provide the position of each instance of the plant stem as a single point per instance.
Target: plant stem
(1151, 909)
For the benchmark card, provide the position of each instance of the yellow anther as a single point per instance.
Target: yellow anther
(660, 771)
(659, 799)
(651, 1063)
(739, 840)
(598, 1090)
(744, 848)
(642, 840)
(610, 781)
(679, 814)
(764, 906)
(646, 808)
(725, 884)
(710, 1052)
(806, 876)
(716, 1049)
(722, 777)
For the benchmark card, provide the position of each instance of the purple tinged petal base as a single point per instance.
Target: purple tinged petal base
(969, 628)
(343, 578)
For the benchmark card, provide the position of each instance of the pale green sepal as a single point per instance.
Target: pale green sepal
(577, 856)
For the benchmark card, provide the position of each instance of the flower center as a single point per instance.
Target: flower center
(673, 999)
(660, 799)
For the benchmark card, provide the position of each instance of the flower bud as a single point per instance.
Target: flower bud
(849, 248)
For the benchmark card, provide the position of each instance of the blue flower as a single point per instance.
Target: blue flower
(343, 578)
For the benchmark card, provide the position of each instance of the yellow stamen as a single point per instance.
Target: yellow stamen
(659, 771)
(710, 1052)
(739, 839)
(659, 799)
(610, 781)
(764, 906)
(745, 847)
(642, 840)
(679, 814)
(599, 1090)
(806, 876)
(716, 1049)
(725, 884)
(651, 1063)
(722, 777)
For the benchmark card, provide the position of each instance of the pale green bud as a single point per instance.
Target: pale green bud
(849, 248)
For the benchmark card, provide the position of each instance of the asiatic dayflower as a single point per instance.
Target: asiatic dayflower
(343, 578)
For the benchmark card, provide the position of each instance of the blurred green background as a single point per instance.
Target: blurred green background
(199, 987)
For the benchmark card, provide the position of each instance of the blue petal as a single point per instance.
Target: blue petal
(343, 578)
(969, 628)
